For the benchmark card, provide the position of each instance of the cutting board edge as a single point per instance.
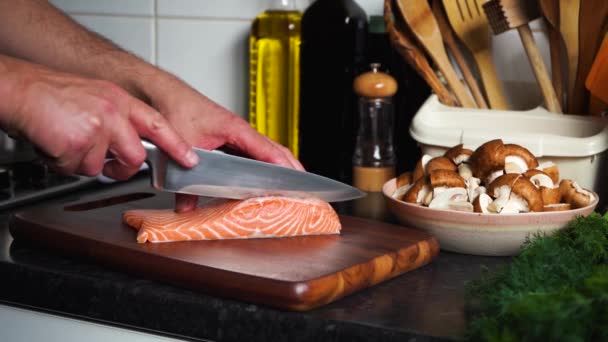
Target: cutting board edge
(389, 265)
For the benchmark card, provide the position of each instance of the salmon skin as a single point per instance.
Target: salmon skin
(259, 217)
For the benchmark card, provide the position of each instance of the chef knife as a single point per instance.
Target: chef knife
(222, 175)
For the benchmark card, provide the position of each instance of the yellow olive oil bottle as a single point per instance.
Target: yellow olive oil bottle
(274, 71)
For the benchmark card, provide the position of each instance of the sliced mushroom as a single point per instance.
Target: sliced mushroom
(528, 192)
(452, 198)
(550, 195)
(539, 178)
(487, 158)
(518, 159)
(440, 163)
(474, 188)
(490, 179)
(575, 195)
(500, 190)
(404, 179)
(481, 203)
(400, 192)
(419, 170)
(458, 154)
(504, 180)
(446, 178)
(551, 169)
(556, 207)
(419, 192)
(464, 170)
(514, 194)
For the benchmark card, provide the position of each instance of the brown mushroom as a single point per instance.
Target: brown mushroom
(518, 159)
(458, 154)
(451, 198)
(481, 203)
(465, 171)
(500, 190)
(504, 180)
(487, 159)
(446, 178)
(528, 192)
(550, 195)
(539, 178)
(440, 163)
(551, 169)
(575, 195)
(474, 188)
(513, 194)
(419, 193)
(419, 170)
(404, 179)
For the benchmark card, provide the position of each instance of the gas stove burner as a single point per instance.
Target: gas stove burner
(26, 181)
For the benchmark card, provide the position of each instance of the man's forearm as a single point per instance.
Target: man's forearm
(36, 31)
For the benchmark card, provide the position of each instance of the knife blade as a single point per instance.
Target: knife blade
(227, 176)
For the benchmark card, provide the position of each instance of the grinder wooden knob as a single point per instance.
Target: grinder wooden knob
(375, 83)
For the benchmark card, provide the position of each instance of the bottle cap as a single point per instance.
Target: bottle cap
(375, 83)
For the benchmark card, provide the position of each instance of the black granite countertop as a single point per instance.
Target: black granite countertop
(425, 304)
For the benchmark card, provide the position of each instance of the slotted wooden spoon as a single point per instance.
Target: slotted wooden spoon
(404, 44)
(471, 25)
(452, 44)
(419, 18)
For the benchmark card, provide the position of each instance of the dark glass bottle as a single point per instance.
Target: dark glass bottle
(333, 48)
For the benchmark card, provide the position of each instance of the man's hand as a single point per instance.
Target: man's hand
(37, 31)
(76, 121)
(207, 125)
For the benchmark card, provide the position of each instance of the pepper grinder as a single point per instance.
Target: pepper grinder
(374, 157)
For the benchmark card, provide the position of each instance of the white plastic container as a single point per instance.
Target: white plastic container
(577, 144)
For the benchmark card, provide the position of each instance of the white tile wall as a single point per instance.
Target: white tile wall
(135, 34)
(211, 55)
(115, 7)
(205, 41)
(211, 8)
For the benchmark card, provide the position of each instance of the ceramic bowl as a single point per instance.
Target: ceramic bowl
(477, 233)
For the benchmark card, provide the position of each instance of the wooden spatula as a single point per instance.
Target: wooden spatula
(592, 27)
(450, 41)
(504, 15)
(471, 25)
(568, 26)
(550, 10)
(419, 18)
(404, 44)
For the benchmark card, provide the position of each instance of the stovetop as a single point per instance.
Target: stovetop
(27, 181)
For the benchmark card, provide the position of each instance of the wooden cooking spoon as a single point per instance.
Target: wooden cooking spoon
(418, 16)
(404, 44)
(568, 26)
(592, 27)
(550, 10)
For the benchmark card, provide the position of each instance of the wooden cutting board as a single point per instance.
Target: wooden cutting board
(298, 273)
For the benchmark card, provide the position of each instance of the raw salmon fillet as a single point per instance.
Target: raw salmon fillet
(259, 217)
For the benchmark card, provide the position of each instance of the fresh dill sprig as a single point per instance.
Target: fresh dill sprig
(555, 290)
